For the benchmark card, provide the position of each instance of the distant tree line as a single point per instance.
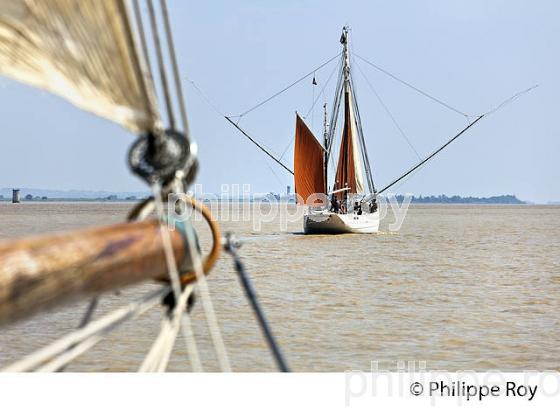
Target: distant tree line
(456, 199)
(30, 197)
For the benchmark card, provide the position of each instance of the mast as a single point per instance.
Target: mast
(356, 162)
(345, 59)
(349, 171)
(345, 87)
(325, 144)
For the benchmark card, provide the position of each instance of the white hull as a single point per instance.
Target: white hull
(326, 222)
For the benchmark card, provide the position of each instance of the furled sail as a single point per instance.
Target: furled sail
(349, 171)
(309, 174)
(81, 50)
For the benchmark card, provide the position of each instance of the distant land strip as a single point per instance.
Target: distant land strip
(39, 195)
(456, 199)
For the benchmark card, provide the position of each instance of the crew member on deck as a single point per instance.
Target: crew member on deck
(334, 204)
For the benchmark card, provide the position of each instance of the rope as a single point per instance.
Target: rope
(207, 305)
(418, 90)
(158, 357)
(76, 342)
(285, 88)
(161, 65)
(391, 116)
(59, 363)
(478, 118)
(175, 66)
(433, 154)
(173, 273)
(242, 131)
(313, 99)
(358, 120)
(259, 145)
(199, 269)
(194, 256)
(335, 112)
(143, 42)
(287, 147)
(276, 176)
(206, 99)
(141, 211)
(167, 244)
(190, 342)
(322, 92)
(510, 100)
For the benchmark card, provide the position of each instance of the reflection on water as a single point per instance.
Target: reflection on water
(460, 287)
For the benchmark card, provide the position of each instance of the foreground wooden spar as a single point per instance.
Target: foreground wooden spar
(41, 272)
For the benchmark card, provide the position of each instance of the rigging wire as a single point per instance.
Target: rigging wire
(313, 99)
(161, 65)
(389, 113)
(276, 176)
(335, 111)
(73, 344)
(175, 66)
(259, 145)
(142, 33)
(158, 357)
(245, 133)
(287, 147)
(86, 318)
(478, 118)
(433, 154)
(511, 99)
(418, 90)
(245, 280)
(284, 89)
(206, 99)
(322, 92)
(175, 279)
(204, 290)
(145, 63)
(358, 120)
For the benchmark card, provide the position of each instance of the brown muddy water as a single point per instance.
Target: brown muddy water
(459, 287)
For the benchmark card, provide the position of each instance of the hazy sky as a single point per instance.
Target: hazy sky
(472, 54)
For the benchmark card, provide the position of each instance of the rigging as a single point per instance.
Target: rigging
(284, 89)
(418, 90)
(478, 118)
(389, 113)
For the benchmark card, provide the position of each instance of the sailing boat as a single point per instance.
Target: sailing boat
(350, 207)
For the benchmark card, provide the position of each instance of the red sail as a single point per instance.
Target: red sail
(309, 175)
(346, 168)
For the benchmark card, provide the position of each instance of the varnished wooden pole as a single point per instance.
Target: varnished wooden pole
(41, 272)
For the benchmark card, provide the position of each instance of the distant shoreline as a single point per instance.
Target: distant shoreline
(39, 195)
(124, 201)
(235, 201)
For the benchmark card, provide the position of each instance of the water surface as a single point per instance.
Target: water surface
(459, 287)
